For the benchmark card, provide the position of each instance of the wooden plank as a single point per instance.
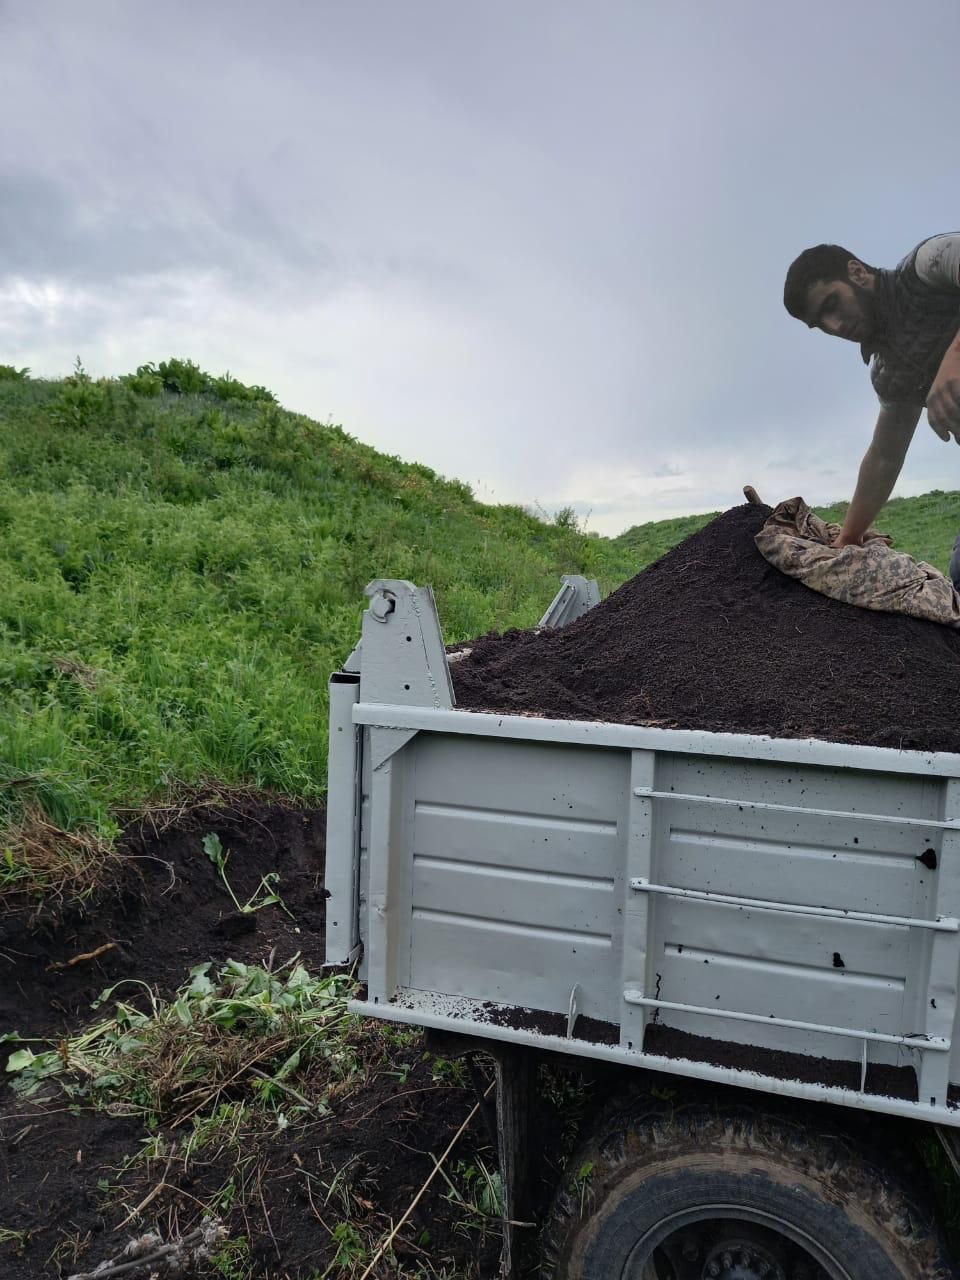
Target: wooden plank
(514, 1074)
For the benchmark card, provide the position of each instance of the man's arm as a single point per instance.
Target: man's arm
(881, 465)
(943, 402)
(938, 264)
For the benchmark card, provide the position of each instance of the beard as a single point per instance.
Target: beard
(869, 311)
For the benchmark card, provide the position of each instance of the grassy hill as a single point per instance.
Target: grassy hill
(182, 562)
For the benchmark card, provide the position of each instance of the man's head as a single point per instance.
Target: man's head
(830, 288)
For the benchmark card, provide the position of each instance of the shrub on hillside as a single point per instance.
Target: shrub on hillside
(229, 388)
(83, 402)
(145, 382)
(185, 378)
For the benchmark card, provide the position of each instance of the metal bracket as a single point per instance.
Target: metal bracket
(576, 597)
(348, 960)
(404, 662)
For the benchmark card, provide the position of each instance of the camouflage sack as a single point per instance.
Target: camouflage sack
(873, 575)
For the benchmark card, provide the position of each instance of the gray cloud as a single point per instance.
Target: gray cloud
(49, 230)
(546, 239)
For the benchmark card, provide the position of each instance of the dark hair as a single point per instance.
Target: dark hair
(825, 262)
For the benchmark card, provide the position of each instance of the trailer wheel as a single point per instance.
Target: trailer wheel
(695, 1193)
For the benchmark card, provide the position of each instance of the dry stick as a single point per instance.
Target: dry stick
(262, 1075)
(148, 857)
(408, 1244)
(158, 1254)
(138, 1209)
(266, 1215)
(316, 1211)
(430, 1177)
(432, 1088)
(217, 1089)
(494, 1217)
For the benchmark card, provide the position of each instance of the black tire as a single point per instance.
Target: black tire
(654, 1177)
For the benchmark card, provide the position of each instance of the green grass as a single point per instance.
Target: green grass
(179, 573)
(182, 563)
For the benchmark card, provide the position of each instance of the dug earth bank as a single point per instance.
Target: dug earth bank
(70, 1174)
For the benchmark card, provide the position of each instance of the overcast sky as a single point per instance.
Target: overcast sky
(537, 245)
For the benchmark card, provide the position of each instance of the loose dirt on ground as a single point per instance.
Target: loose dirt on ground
(165, 908)
(713, 637)
(307, 1200)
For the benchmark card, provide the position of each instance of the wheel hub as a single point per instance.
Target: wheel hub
(741, 1260)
(728, 1248)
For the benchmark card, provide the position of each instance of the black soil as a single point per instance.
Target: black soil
(667, 1042)
(59, 1172)
(713, 637)
(888, 1080)
(164, 908)
(518, 1018)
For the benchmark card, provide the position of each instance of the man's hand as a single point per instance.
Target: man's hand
(847, 540)
(943, 402)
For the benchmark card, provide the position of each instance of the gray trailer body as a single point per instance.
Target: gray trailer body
(792, 896)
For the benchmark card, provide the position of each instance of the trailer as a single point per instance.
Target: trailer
(771, 927)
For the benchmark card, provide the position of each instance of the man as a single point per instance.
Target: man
(906, 322)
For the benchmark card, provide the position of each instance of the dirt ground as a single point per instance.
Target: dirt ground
(713, 637)
(164, 910)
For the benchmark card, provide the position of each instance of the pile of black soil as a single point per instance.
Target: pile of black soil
(713, 637)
